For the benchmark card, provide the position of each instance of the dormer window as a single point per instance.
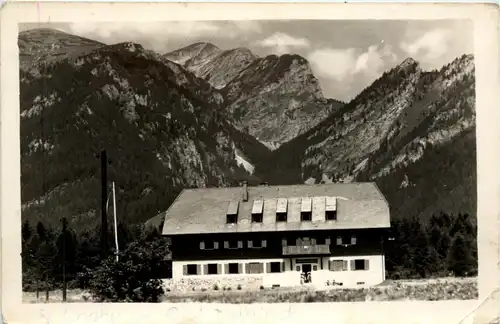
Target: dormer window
(331, 208)
(281, 217)
(281, 210)
(232, 212)
(257, 211)
(306, 209)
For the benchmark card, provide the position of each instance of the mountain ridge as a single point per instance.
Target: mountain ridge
(411, 131)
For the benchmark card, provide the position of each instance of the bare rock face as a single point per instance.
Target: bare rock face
(273, 98)
(277, 98)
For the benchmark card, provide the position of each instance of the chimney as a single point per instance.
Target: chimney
(245, 191)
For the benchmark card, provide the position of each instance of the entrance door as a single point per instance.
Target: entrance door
(306, 272)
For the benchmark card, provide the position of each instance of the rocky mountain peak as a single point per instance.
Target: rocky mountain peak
(197, 51)
(276, 98)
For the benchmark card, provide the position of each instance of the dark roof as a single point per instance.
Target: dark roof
(196, 211)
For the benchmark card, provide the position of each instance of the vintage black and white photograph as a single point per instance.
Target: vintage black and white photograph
(248, 161)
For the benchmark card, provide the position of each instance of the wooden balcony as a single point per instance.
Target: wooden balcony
(306, 249)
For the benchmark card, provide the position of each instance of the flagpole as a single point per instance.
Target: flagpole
(116, 225)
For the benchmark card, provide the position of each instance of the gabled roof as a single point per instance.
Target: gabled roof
(197, 211)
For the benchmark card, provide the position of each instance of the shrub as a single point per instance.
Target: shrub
(238, 287)
(131, 279)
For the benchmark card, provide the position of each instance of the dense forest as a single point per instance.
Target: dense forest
(444, 245)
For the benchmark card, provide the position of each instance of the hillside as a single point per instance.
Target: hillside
(164, 130)
(45, 46)
(411, 131)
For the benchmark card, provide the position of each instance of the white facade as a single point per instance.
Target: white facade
(287, 271)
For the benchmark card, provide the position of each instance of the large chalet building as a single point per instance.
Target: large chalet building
(287, 235)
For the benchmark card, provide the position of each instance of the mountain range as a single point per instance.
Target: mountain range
(204, 116)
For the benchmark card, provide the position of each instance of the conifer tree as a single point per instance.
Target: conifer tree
(460, 258)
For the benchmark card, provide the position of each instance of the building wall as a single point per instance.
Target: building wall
(187, 247)
(288, 274)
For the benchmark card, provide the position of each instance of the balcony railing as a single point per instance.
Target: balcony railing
(306, 249)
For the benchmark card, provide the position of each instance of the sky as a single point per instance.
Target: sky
(345, 55)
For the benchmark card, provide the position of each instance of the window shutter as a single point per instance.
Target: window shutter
(226, 244)
(198, 269)
(185, 269)
(202, 245)
(219, 268)
(353, 265)
(261, 267)
(205, 269)
(226, 268)
(268, 267)
(344, 266)
(240, 267)
(298, 241)
(353, 240)
(367, 264)
(330, 265)
(282, 266)
(328, 241)
(284, 242)
(247, 267)
(240, 244)
(339, 240)
(264, 243)
(216, 245)
(313, 241)
(250, 243)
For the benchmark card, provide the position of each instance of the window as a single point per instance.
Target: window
(209, 245)
(255, 267)
(233, 244)
(257, 244)
(212, 269)
(331, 215)
(281, 217)
(359, 264)
(331, 208)
(323, 240)
(257, 218)
(281, 210)
(275, 267)
(338, 265)
(192, 269)
(231, 219)
(232, 212)
(257, 211)
(306, 209)
(233, 268)
(305, 216)
(341, 240)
